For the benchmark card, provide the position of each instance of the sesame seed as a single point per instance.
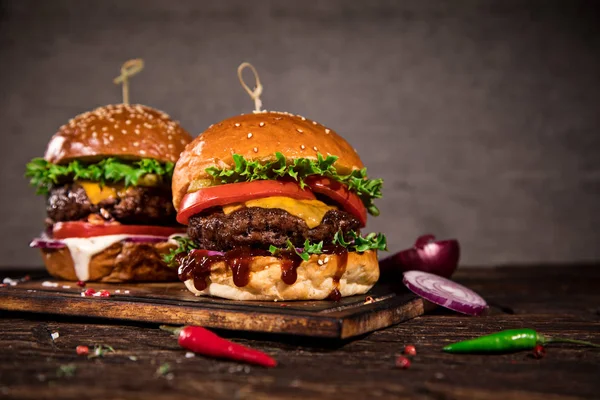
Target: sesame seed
(182, 141)
(94, 135)
(302, 147)
(137, 131)
(303, 119)
(170, 145)
(315, 148)
(237, 124)
(128, 122)
(249, 135)
(124, 148)
(256, 149)
(136, 144)
(104, 128)
(327, 130)
(111, 138)
(123, 131)
(299, 130)
(320, 262)
(170, 137)
(314, 122)
(142, 152)
(261, 124)
(116, 126)
(326, 259)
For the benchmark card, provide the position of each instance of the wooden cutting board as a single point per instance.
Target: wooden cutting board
(172, 303)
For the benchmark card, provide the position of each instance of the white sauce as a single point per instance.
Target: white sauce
(83, 249)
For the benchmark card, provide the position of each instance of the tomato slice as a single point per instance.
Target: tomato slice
(78, 229)
(195, 202)
(339, 193)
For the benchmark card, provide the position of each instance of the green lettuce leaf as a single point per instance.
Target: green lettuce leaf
(357, 243)
(43, 174)
(184, 245)
(300, 168)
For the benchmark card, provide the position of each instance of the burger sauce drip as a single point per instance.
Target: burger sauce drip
(290, 262)
(342, 262)
(239, 261)
(197, 265)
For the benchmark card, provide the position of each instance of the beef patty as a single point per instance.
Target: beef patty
(138, 205)
(261, 227)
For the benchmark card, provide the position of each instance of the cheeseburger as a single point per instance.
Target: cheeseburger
(106, 176)
(274, 205)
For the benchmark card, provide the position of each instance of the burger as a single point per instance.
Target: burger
(106, 176)
(274, 205)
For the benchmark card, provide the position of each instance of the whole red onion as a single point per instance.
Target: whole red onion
(427, 255)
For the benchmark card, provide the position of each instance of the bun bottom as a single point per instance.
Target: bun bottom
(315, 278)
(121, 262)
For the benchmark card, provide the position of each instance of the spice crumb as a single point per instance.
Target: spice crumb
(54, 335)
(402, 362)
(189, 354)
(11, 282)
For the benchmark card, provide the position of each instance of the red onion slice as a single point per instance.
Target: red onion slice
(47, 244)
(146, 239)
(444, 292)
(206, 252)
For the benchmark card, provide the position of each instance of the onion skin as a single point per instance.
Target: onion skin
(427, 255)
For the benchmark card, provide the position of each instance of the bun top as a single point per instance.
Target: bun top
(258, 137)
(120, 130)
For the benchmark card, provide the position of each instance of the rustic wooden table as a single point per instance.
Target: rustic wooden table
(554, 300)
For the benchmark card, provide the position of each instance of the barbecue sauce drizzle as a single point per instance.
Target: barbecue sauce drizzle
(197, 266)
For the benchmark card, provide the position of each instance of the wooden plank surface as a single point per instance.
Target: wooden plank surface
(172, 303)
(556, 301)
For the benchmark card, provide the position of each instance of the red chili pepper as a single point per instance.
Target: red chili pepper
(104, 293)
(205, 342)
(82, 350)
(81, 283)
(89, 292)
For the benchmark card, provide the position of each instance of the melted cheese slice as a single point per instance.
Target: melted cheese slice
(310, 211)
(97, 193)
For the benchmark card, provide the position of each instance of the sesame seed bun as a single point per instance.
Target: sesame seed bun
(121, 130)
(258, 137)
(316, 278)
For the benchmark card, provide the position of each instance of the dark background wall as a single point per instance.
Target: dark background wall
(481, 116)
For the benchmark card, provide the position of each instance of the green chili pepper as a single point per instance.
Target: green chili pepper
(511, 340)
